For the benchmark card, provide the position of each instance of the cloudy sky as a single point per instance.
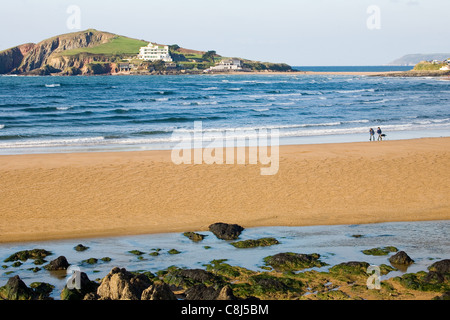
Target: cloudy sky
(298, 32)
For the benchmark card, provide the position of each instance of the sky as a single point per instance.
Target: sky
(297, 32)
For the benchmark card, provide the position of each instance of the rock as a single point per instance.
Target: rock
(86, 287)
(201, 292)
(91, 296)
(12, 58)
(401, 258)
(442, 267)
(351, 267)
(289, 261)
(263, 242)
(119, 284)
(380, 251)
(158, 291)
(80, 247)
(226, 293)
(226, 231)
(90, 261)
(16, 289)
(173, 251)
(59, 263)
(42, 290)
(136, 252)
(445, 296)
(24, 255)
(190, 277)
(196, 237)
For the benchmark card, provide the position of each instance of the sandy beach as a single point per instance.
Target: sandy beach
(58, 196)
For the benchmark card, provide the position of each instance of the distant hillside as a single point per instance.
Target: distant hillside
(413, 59)
(97, 52)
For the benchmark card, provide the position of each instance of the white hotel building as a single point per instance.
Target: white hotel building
(154, 52)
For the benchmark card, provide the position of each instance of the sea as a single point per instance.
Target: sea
(123, 113)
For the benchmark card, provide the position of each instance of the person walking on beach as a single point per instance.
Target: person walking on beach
(372, 134)
(379, 132)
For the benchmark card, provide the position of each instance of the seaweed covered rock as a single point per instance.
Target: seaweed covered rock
(289, 261)
(202, 292)
(381, 251)
(158, 291)
(425, 281)
(401, 258)
(263, 242)
(351, 267)
(24, 255)
(442, 267)
(226, 231)
(119, 284)
(59, 263)
(16, 289)
(196, 237)
(42, 290)
(190, 277)
(80, 247)
(87, 287)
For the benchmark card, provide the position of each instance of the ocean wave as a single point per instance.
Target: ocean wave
(53, 85)
(51, 142)
(40, 109)
(63, 108)
(165, 92)
(355, 91)
(206, 135)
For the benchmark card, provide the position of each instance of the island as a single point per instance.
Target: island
(93, 52)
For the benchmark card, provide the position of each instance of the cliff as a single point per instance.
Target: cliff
(11, 58)
(49, 51)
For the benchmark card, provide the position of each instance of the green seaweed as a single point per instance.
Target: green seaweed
(263, 242)
(380, 251)
(24, 255)
(196, 237)
(136, 252)
(290, 261)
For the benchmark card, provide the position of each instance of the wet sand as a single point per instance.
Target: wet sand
(60, 196)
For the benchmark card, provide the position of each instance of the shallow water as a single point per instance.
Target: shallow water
(425, 242)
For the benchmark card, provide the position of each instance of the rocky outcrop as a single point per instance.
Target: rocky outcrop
(12, 58)
(289, 261)
(226, 231)
(202, 292)
(87, 288)
(119, 284)
(441, 267)
(32, 58)
(48, 52)
(16, 289)
(59, 263)
(401, 258)
(158, 291)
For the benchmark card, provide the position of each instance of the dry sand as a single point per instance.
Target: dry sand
(54, 196)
